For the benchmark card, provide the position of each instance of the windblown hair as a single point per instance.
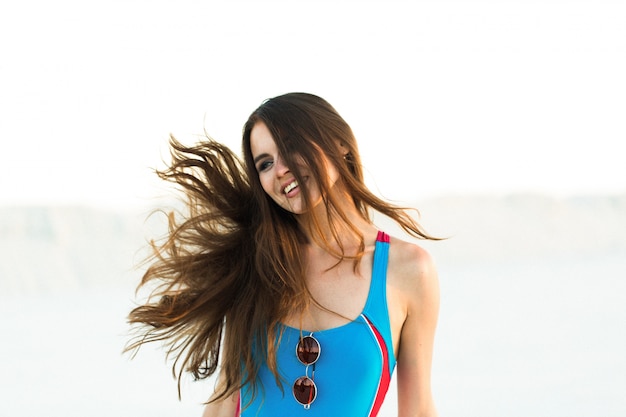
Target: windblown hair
(232, 268)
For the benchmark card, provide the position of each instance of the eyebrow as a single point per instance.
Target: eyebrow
(259, 157)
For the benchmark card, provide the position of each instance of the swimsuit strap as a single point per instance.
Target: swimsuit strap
(376, 309)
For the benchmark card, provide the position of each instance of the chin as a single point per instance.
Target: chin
(295, 210)
(297, 206)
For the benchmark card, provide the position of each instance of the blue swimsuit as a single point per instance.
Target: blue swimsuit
(354, 368)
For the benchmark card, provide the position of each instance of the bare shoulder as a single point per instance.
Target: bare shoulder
(412, 295)
(412, 281)
(409, 263)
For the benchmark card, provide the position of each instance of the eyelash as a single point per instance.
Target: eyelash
(263, 166)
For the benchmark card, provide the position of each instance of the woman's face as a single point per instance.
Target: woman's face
(277, 179)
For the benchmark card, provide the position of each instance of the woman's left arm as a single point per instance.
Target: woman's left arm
(415, 350)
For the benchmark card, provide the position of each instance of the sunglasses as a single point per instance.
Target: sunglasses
(308, 352)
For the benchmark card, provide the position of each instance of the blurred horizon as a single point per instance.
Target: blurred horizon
(502, 227)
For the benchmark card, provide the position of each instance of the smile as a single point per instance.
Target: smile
(290, 187)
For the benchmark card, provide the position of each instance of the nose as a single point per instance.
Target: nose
(281, 167)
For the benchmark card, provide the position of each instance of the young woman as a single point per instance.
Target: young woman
(278, 280)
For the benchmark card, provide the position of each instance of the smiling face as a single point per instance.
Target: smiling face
(301, 137)
(278, 180)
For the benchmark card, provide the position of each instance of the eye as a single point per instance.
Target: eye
(264, 165)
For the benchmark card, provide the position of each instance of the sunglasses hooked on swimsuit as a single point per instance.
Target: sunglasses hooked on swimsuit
(308, 352)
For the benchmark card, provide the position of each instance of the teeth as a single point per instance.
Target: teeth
(290, 187)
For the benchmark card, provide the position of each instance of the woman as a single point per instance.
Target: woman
(278, 275)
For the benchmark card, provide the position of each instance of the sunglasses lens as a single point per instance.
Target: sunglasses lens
(308, 350)
(304, 390)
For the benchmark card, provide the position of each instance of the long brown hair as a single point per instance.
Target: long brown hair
(232, 268)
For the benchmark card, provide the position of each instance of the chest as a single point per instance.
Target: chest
(350, 361)
(339, 293)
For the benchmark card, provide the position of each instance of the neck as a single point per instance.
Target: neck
(326, 229)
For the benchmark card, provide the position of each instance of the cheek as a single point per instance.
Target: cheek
(266, 184)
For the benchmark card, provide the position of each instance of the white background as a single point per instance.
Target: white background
(444, 96)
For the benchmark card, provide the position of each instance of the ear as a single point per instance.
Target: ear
(343, 148)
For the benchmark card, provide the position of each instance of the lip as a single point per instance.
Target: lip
(285, 184)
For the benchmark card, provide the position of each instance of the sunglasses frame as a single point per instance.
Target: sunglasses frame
(301, 341)
(300, 381)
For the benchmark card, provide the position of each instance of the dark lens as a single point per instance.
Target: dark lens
(308, 350)
(304, 390)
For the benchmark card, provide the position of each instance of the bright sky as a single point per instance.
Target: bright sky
(444, 96)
